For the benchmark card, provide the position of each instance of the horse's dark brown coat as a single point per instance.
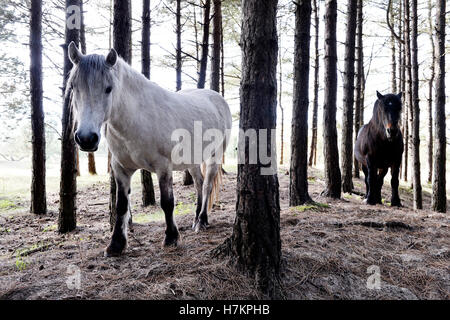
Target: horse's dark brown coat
(379, 146)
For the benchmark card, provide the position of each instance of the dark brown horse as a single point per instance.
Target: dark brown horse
(379, 146)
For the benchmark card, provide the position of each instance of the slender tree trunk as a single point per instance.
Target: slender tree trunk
(298, 186)
(359, 113)
(38, 189)
(222, 59)
(148, 192)
(68, 188)
(216, 53)
(178, 53)
(313, 150)
(121, 42)
(401, 66)
(91, 163)
(430, 94)
(349, 89)
(330, 150)
(280, 99)
(416, 115)
(255, 242)
(205, 45)
(408, 77)
(439, 197)
(393, 55)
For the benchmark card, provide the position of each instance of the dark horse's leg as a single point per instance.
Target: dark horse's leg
(381, 176)
(366, 179)
(373, 182)
(167, 204)
(395, 200)
(119, 236)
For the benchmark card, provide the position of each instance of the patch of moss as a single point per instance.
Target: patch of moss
(314, 206)
(6, 204)
(180, 209)
(51, 227)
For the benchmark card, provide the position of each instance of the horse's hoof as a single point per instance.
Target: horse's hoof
(396, 204)
(199, 226)
(114, 250)
(171, 241)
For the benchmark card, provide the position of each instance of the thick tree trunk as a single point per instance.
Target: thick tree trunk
(216, 52)
(330, 150)
(298, 186)
(205, 45)
(416, 109)
(255, 242)
(349, 89)
(401, 66)
(148, 192)
(439, 198)
(38, 189)
(359, 112)
(68, 187)
(313, 150)
(121, 42)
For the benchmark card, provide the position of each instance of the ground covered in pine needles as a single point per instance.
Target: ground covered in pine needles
(330, 250)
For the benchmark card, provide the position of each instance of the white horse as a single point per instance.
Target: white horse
(140, 118)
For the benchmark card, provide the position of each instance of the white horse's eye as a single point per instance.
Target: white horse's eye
(108, 90)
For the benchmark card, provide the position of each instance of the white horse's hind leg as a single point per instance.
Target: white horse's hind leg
(210, 174)
(196, 174)
(120, 236)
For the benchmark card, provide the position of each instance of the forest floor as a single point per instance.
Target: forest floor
(330, 250)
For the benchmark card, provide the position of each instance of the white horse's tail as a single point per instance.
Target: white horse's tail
(214, 195)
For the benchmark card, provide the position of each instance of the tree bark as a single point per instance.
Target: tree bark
(122, 44)
(408, 78)
(417, 185)
(298, 185)
(205, 45)
(38, 186)
(439, 197)
(393, 55)
(178, 51)
(359, 57)
(280, 99)
(430, 94)
(255, 243)
(68, 187)
(330, 150)
(349, 89)
(313, 150)
(216, 53)
(148, 192)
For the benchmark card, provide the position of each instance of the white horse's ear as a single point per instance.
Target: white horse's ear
(399, 95)
(111, 58)
(379, 95)
(74, 54)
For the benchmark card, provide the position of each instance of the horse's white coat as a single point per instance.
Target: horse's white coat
(139, 118)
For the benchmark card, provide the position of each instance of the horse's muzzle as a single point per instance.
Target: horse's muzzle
(391, 133)
(87, 142)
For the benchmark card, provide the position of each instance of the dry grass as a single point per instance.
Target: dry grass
(326, 251)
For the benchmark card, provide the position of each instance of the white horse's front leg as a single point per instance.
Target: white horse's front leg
(119, 236)
(167, 204)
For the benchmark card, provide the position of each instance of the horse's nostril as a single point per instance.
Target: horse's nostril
(94, 138)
